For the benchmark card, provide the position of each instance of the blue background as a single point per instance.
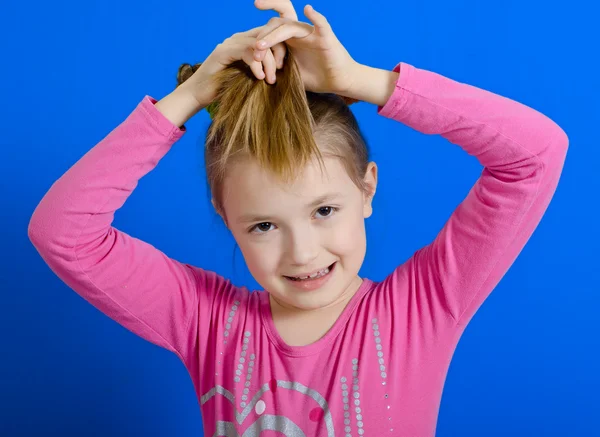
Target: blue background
(527, 365)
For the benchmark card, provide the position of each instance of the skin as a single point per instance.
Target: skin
(300, 238)
(281, 231)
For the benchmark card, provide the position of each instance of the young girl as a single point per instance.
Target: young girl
(320, 351)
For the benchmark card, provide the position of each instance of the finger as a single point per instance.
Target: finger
(317, 19)
(255, 66)
(283, 33)
(273, 24)
(270, 67)
(252, 32)
(240, 48)
(265, 69)
(284, 7)
(279, 52)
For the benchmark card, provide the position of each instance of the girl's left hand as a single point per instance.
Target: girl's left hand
(325, 64)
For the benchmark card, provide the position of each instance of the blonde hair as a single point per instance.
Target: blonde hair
(277, 125)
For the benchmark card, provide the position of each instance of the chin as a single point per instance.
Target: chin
(313, 299)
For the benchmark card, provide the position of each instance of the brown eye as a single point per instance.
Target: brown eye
(262, 228)
(326, 211)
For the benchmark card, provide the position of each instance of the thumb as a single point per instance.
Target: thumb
(317, 19)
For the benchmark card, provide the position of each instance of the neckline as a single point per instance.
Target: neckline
(323, 342)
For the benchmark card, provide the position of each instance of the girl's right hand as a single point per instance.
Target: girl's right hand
(239, 46)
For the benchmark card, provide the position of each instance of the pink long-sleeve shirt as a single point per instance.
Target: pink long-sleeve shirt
(381, 368)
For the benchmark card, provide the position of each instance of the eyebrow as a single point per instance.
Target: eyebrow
(265, 218)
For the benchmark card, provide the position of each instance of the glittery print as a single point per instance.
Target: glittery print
(356, 396)
(234, 308)
(378, 345)
(240, 369)
(347, 427)
(382, 369)
(253, 416)
(380, 358)
(269, 422)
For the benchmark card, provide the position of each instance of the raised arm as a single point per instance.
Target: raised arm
(522, 151)
(129, 280)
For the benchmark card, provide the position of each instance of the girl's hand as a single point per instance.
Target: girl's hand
(325, 65)
(239, 46)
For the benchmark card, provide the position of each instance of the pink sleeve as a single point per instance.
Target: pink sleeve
(522, 152)
(129, 280)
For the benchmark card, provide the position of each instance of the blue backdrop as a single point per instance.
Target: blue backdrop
(72, 71)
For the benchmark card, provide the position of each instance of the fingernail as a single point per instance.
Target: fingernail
(262, 43)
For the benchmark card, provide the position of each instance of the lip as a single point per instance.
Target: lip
(310, 273)
(312, 284)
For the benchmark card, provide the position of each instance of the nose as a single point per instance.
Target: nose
(303, 246)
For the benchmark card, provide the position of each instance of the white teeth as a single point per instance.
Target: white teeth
(314, 275)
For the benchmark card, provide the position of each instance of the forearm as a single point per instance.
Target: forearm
(179, 106)
(373, 85)
(79, 208)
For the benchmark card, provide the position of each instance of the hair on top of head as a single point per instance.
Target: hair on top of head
(277, 125)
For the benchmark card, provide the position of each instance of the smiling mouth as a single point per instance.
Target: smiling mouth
(314, 276)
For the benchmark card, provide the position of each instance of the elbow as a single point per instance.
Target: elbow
(547, 161)
(557, 139)
(559, 145)
(37, 231)
(560, 140)
(554, 151)
(33, 231)
(552, 158)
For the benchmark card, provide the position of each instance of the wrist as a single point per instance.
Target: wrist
(179, 106)
(373, 85)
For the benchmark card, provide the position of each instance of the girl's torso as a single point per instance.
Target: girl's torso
(370, 373)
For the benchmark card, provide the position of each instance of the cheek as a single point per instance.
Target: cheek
(349, 235)
(262, 257)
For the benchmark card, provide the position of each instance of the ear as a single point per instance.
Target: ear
(212, 200)
(370, 181)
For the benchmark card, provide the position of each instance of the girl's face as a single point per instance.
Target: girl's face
(313, 226)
